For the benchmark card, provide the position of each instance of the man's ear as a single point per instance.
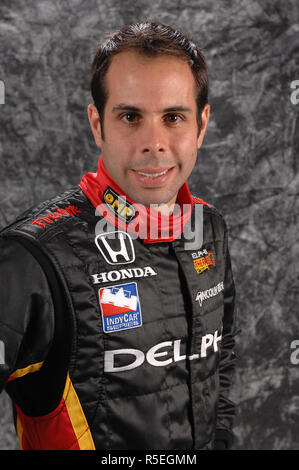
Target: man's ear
(94, 121)
(204, 123)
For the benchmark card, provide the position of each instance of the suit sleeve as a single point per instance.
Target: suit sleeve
(226, 408)
(26, 313)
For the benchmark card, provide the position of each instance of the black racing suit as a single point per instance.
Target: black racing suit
(94, 353)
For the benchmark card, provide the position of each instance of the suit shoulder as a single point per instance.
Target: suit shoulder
(48, 214)
(207, 206)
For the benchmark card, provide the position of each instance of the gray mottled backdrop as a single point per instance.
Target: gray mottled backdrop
(247, 167)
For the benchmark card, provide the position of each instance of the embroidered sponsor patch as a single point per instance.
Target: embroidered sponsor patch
(52, 216)
(208, 293)
(204, 262)
(119, 205)
(129, 273)
(123, 251)
(120, 307)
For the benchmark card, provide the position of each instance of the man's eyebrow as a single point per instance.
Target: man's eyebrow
(184, 109)
(124, 107)
(129, 107)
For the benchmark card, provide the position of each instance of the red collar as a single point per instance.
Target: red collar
(150, 225)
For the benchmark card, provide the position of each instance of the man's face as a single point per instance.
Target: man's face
(151, 130)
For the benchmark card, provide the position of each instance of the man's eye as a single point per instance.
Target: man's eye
(173, 118)
(129, 117)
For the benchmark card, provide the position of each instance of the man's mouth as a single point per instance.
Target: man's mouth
(153, 177)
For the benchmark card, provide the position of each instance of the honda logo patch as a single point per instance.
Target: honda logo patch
(116, 247)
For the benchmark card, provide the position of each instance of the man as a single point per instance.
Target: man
(118, 336)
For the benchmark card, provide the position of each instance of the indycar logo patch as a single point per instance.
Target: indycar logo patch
(120, 307)
(204, 262)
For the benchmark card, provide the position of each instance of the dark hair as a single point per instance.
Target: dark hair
(151, 39)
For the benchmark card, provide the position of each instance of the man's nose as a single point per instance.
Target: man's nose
(153, 138)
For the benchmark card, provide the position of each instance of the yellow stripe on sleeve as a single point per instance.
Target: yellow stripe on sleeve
(77, 417)
(26, 370)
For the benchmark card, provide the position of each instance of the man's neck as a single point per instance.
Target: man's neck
(165, 208)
